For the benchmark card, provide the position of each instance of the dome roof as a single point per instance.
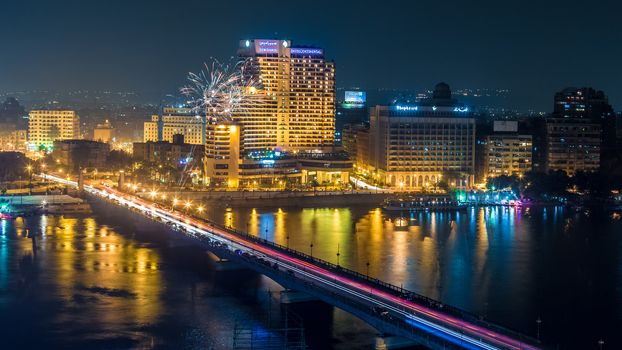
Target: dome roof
(442, 91)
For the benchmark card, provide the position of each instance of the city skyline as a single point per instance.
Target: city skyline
(532, 50)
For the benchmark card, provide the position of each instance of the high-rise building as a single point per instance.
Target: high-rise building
(296, 111)
(172, 121)
(507, 152)
(587, 103)
(47, 126)
(413, 146)
(572, 145)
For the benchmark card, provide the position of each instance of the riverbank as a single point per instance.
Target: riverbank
(282, 198)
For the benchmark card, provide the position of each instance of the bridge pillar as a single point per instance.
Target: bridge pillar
(289, 296)
(379, 344)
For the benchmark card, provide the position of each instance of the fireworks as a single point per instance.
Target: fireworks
(220, 90)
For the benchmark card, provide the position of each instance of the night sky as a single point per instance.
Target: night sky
(533, 48)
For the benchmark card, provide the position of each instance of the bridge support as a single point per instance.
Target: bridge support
(388, 342)
(289, 296)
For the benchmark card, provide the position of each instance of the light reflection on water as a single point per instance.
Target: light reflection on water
(87, 284)
(506, 264)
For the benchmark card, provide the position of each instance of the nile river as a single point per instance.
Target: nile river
(89, 283)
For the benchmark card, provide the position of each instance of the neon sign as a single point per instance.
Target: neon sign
(306, 51)
(406, 108)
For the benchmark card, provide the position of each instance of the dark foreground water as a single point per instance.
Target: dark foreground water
(90, 283)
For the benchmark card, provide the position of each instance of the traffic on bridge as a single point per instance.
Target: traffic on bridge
(379, 301)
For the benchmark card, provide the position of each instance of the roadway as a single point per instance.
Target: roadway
(464, 334)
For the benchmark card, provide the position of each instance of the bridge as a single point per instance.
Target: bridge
(389, 309)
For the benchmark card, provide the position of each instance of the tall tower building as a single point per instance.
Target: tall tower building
(47, 126)
(297, 93)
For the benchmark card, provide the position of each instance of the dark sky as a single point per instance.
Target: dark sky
(533, 48)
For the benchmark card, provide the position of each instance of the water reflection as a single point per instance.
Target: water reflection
(507, 264)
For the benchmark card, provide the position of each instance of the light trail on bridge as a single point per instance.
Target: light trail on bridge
(462, 333)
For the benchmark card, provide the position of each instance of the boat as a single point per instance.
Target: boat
(423, 203)
(68, 208)
(401, 223)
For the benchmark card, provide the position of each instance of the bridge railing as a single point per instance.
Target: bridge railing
(388, 287)
(393, 289)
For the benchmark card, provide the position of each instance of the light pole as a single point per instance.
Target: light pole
(601, 343)
(311, 247)
(338, 254)
(367, 269)
(287, 238)
(538, 322)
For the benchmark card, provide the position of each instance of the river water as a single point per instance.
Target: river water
(90, 283)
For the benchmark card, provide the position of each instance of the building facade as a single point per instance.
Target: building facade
(587, 103)
(411, 147)
(103, 132)
(295, 105)
(172, 121)
(13, 140)
(47, 126)
(506, 151)
(572, 145)
(81, 154)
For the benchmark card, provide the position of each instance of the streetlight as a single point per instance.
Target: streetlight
(538, 322)
(200, 209)
(601, 343)
(367, 264)
(311, 246)
(338, 254)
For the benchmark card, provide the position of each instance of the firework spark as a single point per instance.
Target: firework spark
(221, 90)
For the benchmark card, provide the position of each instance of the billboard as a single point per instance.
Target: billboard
(355, 97)
(505, 126)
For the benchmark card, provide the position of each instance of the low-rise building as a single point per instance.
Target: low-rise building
(175, 154)
(81, 154)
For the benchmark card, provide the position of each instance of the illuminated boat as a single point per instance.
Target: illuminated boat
(401, 223)
(423, 203)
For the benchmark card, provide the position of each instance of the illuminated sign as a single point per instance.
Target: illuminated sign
(267, 46)
(355, 97)
(307, 51)
(461, 109)
(406, 108)
(267, 161)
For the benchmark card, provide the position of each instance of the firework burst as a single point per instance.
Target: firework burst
(221, 90)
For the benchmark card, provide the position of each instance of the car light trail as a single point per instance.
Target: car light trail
(450, 328)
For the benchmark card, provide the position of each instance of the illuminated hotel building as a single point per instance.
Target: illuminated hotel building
(47, 126)
(297, 89)
(175, 121)
(411, 147)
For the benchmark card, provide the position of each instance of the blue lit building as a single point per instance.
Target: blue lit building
(412, 147)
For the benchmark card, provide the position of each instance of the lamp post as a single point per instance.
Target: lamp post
(367, 264)
(338, 254)
(538, 322)
(601, 343)
(29, 168)
(311, 247)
